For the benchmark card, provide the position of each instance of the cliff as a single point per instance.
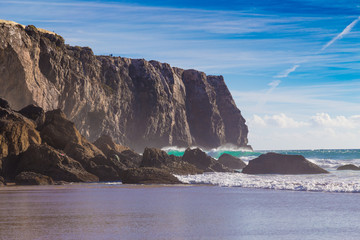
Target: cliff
(138, 103)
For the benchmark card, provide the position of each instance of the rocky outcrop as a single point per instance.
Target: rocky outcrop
(157, 158)
(31, 178)
(35, 113)
(147, 175)
(106, 144)
(53, 163)
(138, 103)
(202, 161)
(2, 181)
(231, 162)
(348, 167)
(274, 163)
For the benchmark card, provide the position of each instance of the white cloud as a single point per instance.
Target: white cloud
(286, 73)
(325, 120)
(277, 120)
(340, 35)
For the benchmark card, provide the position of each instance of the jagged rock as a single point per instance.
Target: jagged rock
(129, 158)
(106, 144)
(50, 162)
(202, 161)
(231, 162)
(348, 167)
(274, 163)
(138, 103)
(60, 133)
(17, 133)
(31, 178)
(157, 158)
(35, 113)
(147, 175)
(4, 104)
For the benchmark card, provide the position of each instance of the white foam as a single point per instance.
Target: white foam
(337, 181)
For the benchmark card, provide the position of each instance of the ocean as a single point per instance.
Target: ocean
(236, 206)
(329, 159)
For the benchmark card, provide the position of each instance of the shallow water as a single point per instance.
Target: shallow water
(99, 211)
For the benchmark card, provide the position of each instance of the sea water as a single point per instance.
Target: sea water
(116, 211)
(329, 159)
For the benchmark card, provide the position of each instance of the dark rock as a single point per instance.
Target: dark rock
(231, 162)
(2, 181)
(139, 103)
(4, 104)
(106, 144)
(17, 133)
(56, 164)
(202, 161)
(146, 175)
(35, 113)
(31, 178)
(274, 163)
(348, 167)
(129, 158)
(157, 158)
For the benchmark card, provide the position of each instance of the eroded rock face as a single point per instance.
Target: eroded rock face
(138, 103)
(147, 175)
(274, 163)
(202, 161)
(231, 162)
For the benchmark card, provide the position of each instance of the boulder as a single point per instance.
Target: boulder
(231, 162)
(202, 161)
(106, 144)
(17, 133)
(4, 104)
(157, 158)
(274, 163)
(31, 178)
(147, 175)
(348, 167)
(53, 163)
(35, 113)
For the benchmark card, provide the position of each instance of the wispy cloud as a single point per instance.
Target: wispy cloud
(342, 34)
(287, 72)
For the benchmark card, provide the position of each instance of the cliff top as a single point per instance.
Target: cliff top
(12, 23)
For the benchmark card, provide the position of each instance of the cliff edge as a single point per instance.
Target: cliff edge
(138, 103)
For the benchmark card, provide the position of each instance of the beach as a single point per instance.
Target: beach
(117, 211)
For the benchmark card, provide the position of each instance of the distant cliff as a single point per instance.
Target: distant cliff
(139, 103)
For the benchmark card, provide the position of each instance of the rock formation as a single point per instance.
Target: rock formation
(157, 158)
(274, 163)
(348, 167)
(138, 103)
(31, 178)
(147, 175)
(231, 162)
(202, 161)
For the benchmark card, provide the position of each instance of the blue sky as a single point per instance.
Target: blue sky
(293, 67)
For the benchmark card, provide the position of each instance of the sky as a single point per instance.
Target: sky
(293, 67)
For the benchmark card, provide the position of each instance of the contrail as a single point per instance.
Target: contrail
(340, 35)
(287, 72)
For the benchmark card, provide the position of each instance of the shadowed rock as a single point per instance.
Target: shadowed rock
(106, 144)
(31, 178)
(202, 161)
(274, 163)
(4, 104)
(34, 113)
(157, 158)
(231, 162)
(146, 175)
(348, 167)
(2, 181)
(55, 164)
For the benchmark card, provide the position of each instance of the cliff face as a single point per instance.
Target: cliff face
(139, 103)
